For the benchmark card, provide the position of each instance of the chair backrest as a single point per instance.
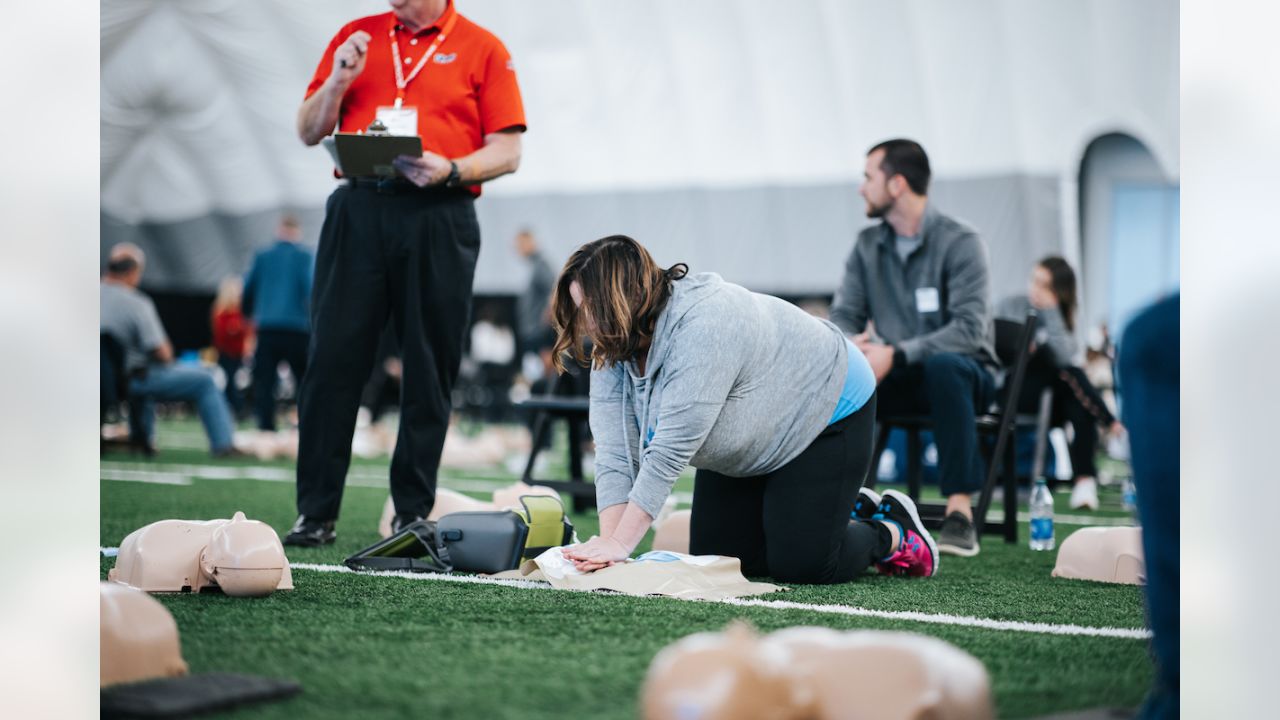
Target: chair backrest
(114, 379)
(1016, 337)
(1009, 340)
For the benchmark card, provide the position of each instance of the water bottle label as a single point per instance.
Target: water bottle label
(1041, 528)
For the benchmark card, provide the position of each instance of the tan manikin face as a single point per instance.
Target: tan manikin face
(875, 188)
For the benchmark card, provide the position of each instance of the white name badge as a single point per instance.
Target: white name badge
(927, 300)
(399, 120)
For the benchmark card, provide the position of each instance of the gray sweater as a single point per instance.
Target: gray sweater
(939, 301)
(736, 382)
(1051, 328)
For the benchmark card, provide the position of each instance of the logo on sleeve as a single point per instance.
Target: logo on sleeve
(442, 59)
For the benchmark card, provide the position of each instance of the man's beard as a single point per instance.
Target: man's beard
(878, 211)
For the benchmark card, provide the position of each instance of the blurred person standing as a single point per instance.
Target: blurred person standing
(533, 324)
(131, 318)
(921, 278)
(405, 246)
(277, 295)
(231, 334)
(1051, 291)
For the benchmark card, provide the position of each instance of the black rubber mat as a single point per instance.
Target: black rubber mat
(191, 695)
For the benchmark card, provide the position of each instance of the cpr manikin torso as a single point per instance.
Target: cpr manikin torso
(241, 557)
(1103, 554)
(815, 673)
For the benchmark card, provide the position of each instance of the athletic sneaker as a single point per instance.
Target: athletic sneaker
(958, 536)
(1084, 494)
(917, 555)
(867, 504)
(310, 533)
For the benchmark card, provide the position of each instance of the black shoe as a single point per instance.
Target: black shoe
(310, 533)
(958, 536)
(867, 504)
(400, 522)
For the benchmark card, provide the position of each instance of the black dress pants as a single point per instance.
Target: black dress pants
(406, 253)
(793, 524)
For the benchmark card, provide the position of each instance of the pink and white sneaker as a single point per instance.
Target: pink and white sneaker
(916, 555)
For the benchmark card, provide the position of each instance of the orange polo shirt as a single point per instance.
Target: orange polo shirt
(466, 90)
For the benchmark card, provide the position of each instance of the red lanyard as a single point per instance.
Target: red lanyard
(402, 82)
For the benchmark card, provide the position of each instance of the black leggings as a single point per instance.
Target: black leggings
(793, 524)
(1075, 401)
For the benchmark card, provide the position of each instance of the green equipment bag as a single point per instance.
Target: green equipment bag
(481, 542)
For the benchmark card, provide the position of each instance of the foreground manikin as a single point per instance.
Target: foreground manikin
(138, 637)
(242, 557)
(774, 408)
(815, 674)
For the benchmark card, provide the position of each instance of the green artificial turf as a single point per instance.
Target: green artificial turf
(373, 647)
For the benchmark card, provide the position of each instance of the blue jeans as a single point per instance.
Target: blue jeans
(1149, 381)
(952, 390)
(170, 383)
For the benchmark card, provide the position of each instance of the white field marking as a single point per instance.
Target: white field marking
(160, 478)
(909, 616)
(932, 618)
(1079, 520)
(357, 476)
(943, 619)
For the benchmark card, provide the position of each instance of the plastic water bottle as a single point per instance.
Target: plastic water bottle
(1041, 517)
(1129, 494)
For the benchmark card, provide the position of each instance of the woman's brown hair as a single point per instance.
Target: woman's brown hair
(624, 292)
(1062, 279)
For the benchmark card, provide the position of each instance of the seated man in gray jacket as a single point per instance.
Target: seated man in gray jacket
(921, 279)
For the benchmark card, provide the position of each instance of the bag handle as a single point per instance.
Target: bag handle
(438, 559)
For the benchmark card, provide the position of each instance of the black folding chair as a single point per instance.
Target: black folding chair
(113, 391)
(1013, 348)
(561, 404)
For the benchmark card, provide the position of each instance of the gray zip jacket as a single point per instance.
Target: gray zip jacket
(736, 382)
(948, 271)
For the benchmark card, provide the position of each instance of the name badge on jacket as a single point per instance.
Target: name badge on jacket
(927, 300)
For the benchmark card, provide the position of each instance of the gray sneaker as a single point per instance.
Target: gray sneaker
(958, 536)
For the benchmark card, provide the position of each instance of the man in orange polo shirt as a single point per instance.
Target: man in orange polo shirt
(403, 248)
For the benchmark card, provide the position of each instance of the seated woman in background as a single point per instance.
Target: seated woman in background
(774, 408)
(1052, 292)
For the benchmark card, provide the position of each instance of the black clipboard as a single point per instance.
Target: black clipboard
(359, 155)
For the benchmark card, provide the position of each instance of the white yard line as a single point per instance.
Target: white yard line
(932, 618)
(907, 616)
(146, 476)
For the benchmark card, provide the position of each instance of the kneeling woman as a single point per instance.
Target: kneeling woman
(774, 408)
